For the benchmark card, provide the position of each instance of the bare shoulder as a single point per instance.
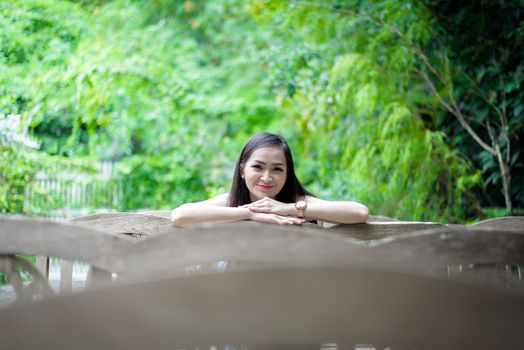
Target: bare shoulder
(220, 200)
(310, 199)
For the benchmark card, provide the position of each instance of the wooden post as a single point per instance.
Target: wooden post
(66, 276)
(42, 264)
(98, 278)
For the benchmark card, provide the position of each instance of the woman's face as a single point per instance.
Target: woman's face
(265, 172)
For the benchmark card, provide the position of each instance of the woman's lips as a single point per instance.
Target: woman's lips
(264, 188)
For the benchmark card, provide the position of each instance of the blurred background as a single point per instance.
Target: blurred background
(414, 108)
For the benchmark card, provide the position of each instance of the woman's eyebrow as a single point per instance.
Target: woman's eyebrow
(263, 163)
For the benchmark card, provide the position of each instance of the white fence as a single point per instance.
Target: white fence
(71, 194)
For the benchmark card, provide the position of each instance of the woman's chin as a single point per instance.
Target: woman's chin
(261, 194)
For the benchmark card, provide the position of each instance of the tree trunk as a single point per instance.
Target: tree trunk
(506, 180)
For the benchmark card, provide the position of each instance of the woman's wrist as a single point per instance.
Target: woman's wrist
(245, 213)
(291, 210)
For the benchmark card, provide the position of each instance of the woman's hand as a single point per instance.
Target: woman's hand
(268, 205)
(273, 211)
(275, 219)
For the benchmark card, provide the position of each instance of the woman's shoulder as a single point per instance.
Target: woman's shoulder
(310, 198)
(220, 199)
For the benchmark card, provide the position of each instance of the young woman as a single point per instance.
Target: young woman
(266, 189)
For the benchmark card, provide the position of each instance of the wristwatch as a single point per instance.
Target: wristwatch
(301, 208)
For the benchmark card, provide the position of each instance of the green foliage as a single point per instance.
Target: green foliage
(154, 85)
(360, 111)
(25, 276)
(17, 168)
(171, 90)
(18, 164)
(21, 191)
(484, 42)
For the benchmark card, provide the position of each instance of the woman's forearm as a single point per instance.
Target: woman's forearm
(192, 214)
(341, 212)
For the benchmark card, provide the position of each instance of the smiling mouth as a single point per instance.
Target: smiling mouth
(264, 188)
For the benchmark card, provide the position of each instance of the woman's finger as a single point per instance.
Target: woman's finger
(260, 201)
(289, 221)
(260, 209)
(284, 222)
(252, 205)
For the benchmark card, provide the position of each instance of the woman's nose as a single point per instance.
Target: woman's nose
(266, 176)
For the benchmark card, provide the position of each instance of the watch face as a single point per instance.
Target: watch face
(301, 205)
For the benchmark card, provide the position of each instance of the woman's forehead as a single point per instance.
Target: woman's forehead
(271, 155)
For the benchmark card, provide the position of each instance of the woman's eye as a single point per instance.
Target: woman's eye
(278, 169)
(256, 166)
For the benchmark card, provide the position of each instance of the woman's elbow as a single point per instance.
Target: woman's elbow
(360, 214)
(364, 213)
(178, 217)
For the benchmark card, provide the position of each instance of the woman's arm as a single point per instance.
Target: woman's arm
(215, 210)
(340, 212)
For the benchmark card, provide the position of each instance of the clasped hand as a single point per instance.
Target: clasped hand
(273, 211)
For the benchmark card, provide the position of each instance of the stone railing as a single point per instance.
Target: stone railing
(402, 285)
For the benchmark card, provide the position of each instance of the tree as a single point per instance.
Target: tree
(166, 89)
(360, 105)
(476, 70)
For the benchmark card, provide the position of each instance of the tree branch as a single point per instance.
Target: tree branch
(453, 109)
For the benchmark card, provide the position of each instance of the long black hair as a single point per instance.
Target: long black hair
(292, 189)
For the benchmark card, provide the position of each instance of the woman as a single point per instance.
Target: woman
(266, 189)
